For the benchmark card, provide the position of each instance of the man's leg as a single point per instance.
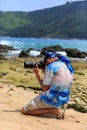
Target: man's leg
(36, 108)
(38, 112)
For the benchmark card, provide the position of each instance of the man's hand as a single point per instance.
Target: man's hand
(36, 70)
(44, 87)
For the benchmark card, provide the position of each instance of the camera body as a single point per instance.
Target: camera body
(28, 64)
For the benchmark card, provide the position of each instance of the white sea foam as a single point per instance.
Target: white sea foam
(15, 44)
(14, 52)
(11, 53)
(62, 53)
(34, 53)
(4, 42)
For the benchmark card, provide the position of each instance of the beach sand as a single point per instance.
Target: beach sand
(13, 98)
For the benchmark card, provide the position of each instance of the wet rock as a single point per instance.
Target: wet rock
(5, 48)
(23, 54)
(75, 53)
(51, 48)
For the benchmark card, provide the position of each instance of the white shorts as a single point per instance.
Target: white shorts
(35, 103)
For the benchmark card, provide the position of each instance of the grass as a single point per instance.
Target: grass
(14, 72)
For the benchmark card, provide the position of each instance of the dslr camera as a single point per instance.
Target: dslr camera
(28, 64)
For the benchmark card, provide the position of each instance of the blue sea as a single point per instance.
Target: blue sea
(39, 43)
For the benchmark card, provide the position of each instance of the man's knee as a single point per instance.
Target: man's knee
(23, 111)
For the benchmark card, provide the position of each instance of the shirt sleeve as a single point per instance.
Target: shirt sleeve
(47, 77)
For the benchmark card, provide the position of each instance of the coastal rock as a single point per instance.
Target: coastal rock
(5, 48)
(75, 53)
(23, 54)
(79, 98)
(51, 48)
(2, 57)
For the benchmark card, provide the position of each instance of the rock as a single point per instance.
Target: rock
(51, 48)
(2, 57)
(85, 92)
(36, 92)
(77, 100)
(23, 54)
(5, 48)
(78, 106)
(75, 53)
(2, 74)
(77, 121)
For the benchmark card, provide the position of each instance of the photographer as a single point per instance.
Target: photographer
(56, 85)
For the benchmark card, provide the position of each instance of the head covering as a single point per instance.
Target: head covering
(50, 54)
(67, 62)
(61, 57)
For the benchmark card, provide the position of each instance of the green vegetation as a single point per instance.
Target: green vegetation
(79, 73)
(66, 21)
(13, 71)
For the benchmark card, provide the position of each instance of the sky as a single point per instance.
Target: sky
(29, 5)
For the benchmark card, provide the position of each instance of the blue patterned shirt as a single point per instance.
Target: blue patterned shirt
(58, 76)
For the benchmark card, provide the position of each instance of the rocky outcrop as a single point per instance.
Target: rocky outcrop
(5, 48)
(79, 99)
(75, 53)
(23, 54)
(51, 48)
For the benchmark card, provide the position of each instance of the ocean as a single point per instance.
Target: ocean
(39, 43)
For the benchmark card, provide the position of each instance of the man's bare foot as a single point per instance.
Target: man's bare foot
(59, 113)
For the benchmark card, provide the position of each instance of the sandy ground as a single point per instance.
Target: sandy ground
(11, 101)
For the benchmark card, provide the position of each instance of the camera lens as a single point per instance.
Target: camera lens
(29, 64)
(33, 65)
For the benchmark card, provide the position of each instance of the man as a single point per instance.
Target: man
(56, 85)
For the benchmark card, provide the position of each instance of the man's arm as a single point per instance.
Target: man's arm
(44, 87)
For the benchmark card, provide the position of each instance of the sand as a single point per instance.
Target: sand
(13, 98)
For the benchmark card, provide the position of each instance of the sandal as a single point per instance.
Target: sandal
(61, 115)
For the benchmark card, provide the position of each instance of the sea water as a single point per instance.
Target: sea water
(39, 43)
